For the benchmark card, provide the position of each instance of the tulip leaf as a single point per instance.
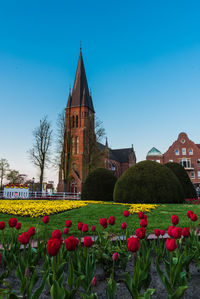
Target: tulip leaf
(39, 290)
(56, 291)
(179, 292)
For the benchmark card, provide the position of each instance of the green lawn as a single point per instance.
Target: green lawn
(158, 218)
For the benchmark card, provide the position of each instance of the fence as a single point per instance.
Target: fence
(42, 195)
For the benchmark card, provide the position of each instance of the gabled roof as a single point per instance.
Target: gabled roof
(120, 155)
(80, 93)
(154, 152)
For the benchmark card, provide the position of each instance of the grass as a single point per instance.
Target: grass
(158, 218)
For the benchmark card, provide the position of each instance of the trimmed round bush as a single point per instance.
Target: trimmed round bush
(180, 172)
(99, 185)
(148, 182)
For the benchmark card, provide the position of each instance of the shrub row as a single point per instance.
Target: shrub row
(145, 182)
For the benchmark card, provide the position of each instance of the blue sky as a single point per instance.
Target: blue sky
(142, 61)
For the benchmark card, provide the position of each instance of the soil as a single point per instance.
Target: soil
(193, 290)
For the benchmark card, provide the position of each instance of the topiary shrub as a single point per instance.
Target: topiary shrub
(99, 185)
(180, 172)
(148, 182)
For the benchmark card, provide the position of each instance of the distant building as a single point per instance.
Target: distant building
(182, 151)
(80, 118)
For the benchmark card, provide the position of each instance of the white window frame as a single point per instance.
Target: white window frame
(190, 151)
(192, 177)
(184, 151)
(177, 152)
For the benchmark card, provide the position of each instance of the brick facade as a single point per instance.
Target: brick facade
(183, 151)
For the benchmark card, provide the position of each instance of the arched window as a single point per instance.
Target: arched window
(77, 121)
(77, 145)
(73, 121)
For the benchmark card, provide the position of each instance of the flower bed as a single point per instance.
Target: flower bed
(38, 208)
(68, 267)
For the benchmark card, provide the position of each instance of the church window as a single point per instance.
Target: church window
(73, 121)
(77, 121)
(77, 145)
(73, 145)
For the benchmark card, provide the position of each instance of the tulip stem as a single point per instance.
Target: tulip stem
(54, 268)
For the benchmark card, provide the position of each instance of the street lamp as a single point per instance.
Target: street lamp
(32, 182)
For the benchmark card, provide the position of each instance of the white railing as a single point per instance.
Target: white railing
(43, 195)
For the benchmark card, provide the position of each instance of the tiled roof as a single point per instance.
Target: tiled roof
(120, 155)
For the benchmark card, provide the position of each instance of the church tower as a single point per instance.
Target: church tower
(79, 125)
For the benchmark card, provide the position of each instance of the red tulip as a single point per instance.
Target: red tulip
(170, 230)
(94, 281)
(126, 213)
(85, 228)
(111, 220)
(115, 256)
(123, 225)
(162, 232)
(56, 234)
(140, 233)
(93, 228)
(133, 244)
(171, 244)
(66, 230)
(141, 215)
(157, 232)
(2, 225)
(71, 243)
(12, 222)
(31, 231)
(24, 238)
(18, 225)
(45, 219)
(53, 246)
(88, 241)
(185, 232)
(143, 222)
(68, 223)
(79, 225)
(189, 213)
(193, 217)
(175, 219)
(103, 222)
(176, 232)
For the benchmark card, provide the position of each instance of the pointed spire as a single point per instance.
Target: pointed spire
(106, 145)
(80, 92)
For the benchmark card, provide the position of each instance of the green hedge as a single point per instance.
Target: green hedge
(180, 172)
(99, 185)
(148, 182)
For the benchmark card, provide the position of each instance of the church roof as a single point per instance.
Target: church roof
(119, 155)
(80, 93)
(154, 152)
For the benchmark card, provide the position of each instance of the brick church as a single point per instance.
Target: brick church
(80, 126)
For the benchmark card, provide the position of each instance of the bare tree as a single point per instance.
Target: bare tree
(64, 147)
(4, 167)
(40, 152)
(94, 156)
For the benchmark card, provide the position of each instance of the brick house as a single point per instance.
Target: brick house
(80, 122)
(183, 151)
